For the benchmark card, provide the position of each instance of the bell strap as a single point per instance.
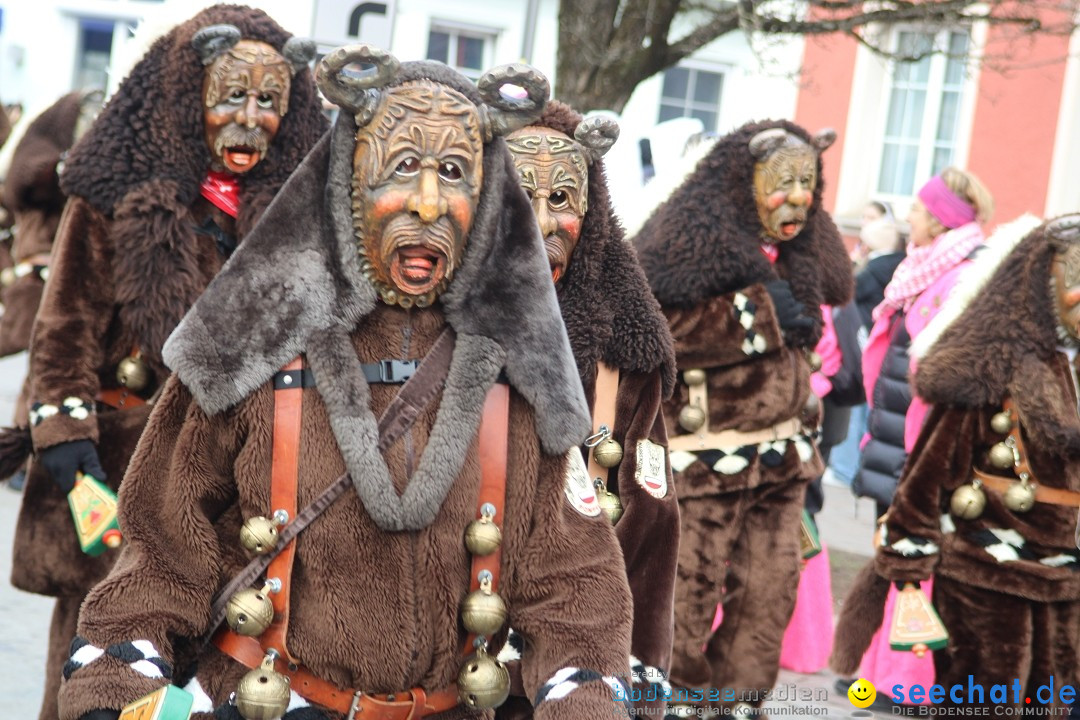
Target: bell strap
(607, 388)
(1022, 467)
(119, 398)
(284, 471)
(395, 420)
(492, 447)
(1043, 494)
(734, 438)
(407, 705)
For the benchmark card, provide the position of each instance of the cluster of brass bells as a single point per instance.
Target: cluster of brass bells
(483, 682)
(259, 534)
(692, 417)
(263, 693)
(249, 612)
(133, 373)
(969, 501)
(607, 453)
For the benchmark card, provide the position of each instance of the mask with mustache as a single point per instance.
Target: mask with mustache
(245, 95)
(417, 172)
(784, 185)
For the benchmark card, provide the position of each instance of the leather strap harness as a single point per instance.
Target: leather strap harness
(424, 382)
(607, 388)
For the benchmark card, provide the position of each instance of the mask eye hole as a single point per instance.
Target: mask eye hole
(265, 100)
(408, 166)
(559, 199)
(450, 171)
(237, 96)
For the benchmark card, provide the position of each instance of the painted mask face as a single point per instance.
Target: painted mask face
(245, 95)
(556, 178)
(1065, 271)
(417, 172)
(784, 185)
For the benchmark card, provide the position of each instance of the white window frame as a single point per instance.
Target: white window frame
(868, 116)
(723, 71)
(454, 29)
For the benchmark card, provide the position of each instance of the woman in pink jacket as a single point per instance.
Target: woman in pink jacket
(946, 231)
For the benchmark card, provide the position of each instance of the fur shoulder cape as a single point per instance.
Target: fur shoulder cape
(1004, 343)
(705, 239)
(142, 162)
(609, 310)
(32, 179)
(295, 285)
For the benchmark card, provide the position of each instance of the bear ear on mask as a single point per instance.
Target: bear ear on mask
(596, 135)
(213, 40)
(353, 76)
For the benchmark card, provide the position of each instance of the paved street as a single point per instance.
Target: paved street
(845, 526)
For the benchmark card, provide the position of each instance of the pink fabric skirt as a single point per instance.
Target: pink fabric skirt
(885, 667)
(808, 639)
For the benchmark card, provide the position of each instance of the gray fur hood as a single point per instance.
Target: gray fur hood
(295, 286)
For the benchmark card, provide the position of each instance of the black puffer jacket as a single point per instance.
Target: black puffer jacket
(884, 455)
(870, 284)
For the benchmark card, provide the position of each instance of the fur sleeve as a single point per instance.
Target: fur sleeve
(161, 587)
(72, 321)
(725, 330)
(940, 461)
(648, 532)
(571, 604)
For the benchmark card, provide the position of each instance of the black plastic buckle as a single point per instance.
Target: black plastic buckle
(397, 371)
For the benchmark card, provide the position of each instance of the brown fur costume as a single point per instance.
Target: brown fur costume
(127, 264)
(611, 316)
(381, 574)
(1007, 584)
(32, 194)
(740, 505)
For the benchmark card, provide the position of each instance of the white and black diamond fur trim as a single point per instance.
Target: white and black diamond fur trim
(914, 547)
(569, 679)
(1007, 545)
(642, 674)
(72, 406)
(744, 307)
(733, 460)
(140, 655)
(511, 651)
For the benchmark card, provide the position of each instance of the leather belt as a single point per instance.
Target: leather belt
(119, 398)
(735, 438)
(1043, 494)
(408, 705)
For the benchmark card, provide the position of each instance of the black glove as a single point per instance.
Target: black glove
(790, 313)
(101, 715)
(63, 460)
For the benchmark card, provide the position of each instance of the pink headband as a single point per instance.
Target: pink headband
(950, 209)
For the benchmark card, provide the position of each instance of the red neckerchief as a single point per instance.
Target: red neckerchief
(223, 190)
(770, 251)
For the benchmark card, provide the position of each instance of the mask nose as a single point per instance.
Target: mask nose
(427, 201)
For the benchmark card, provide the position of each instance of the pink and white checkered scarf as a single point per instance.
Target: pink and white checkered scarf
(924, 265)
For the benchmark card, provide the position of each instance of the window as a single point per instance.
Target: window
(690, 92)
(923, 118)
(464, 50)
(92, 59)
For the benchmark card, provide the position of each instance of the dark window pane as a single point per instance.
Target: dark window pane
(470, 52)
(707, 118)
(438, 46)
(675, 83)
(707, 87)
(669, 112)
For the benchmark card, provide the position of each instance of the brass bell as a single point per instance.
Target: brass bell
(263, 693)
(609, 502)
(693, 377)
(1020, 497)
(249, 612)
(813, 360)
(1001, 423)
(968, 501)
(608, 453)
(1001, 456)
(691, 418)
(482, 611)
(7, 276)
(812, 406)
(482, 537)
(259, 534)
(483, 682)
(133, 373)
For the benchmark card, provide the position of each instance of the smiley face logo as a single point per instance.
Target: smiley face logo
(861, 693)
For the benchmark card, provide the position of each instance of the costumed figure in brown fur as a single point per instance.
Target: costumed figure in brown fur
(402, 246)
(177, 168)
(624, 356)
(32, 194)
(741, 257)
(987, 500)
